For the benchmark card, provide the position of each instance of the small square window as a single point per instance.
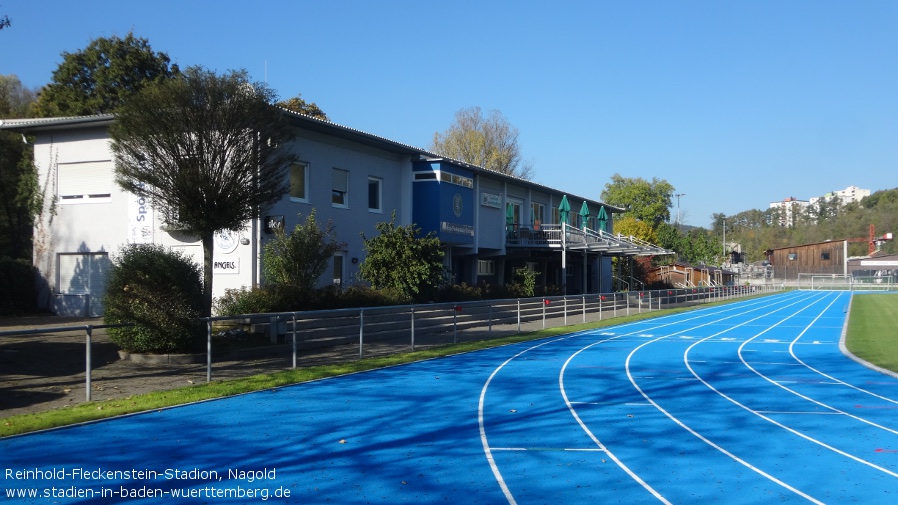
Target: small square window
(486, 267)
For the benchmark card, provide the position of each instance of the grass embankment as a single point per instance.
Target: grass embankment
(872, 331)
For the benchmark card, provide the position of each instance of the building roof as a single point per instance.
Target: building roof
(305, 122)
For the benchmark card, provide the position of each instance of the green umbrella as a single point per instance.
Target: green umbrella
(564, 209)
(602, 219)
(584, 215)
(509, 218)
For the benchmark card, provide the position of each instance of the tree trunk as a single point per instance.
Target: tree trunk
(208, 242)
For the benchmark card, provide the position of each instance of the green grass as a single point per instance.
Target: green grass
(872, 334)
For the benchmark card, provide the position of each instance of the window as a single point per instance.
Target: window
(537, 214)
(299, 182)
(516, 212)
(556, 215)
(793, 256)
(89, 182)
(374, 194)
(340, 191)
(486, 267)
(824, 255)
(338, 270)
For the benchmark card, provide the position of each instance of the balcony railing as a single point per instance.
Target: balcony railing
(559, 236)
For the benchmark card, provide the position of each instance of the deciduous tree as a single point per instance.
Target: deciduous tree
(401, 259)
(488, 141)
(18, 177)
(300, 105)
(206, 150)
(299, 259)
(648, 201)
(102, 76)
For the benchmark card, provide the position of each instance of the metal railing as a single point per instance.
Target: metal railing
(404, 327)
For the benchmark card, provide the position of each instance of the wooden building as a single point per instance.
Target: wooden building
(683, 275)
(821, 258)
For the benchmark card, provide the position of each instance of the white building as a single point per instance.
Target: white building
(845, 196)
(489, 223)
(789, 209)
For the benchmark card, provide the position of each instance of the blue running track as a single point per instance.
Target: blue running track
(750, 402)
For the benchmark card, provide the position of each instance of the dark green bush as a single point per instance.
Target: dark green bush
(161, 292)
(18, 294)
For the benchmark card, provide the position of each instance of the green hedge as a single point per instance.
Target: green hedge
(18, 293)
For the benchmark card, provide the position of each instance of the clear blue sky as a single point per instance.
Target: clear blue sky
(735, 103)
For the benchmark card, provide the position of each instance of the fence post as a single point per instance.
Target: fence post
(413, 328)
(87, 352)
(519, 315)
(361, 333)
(628, 302)
(209, 351)
(294, 340)
(584, 308)
(600, 306)
(455, 312)
(565, 310)
(491, 317)
(545, 302)
(614, 305)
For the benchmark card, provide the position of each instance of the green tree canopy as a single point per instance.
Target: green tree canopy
(488, 141)
(18, 178)
(299, 259)
(204, 149)
(102, 76)
(298, 104)
(400, 259)
(648, 201)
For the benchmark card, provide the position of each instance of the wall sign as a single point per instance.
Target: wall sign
(228, 266)
(226, 241)
(491, 200)
(272, 222)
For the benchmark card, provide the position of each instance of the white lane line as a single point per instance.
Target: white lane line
(805, 397)
(701, 314)
(699, 435)
(774, 422)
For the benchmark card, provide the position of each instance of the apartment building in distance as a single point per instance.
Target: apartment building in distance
(791, 207)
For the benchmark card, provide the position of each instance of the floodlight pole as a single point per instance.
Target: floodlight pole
(678, 195)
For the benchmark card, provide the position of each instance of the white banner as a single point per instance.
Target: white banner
(140, 220)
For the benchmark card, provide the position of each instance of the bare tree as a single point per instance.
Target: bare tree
(490, 142)
(206, 150)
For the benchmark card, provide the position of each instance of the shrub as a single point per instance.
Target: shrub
(161, 293)
(18, 294)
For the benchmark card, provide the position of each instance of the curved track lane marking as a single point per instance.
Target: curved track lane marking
(759, 304)
(699, 435)
(570, 405)
(762, 416)
(805, 397)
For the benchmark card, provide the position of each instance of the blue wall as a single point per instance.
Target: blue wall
(443, 202)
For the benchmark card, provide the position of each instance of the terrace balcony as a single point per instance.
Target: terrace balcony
(567, 237)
